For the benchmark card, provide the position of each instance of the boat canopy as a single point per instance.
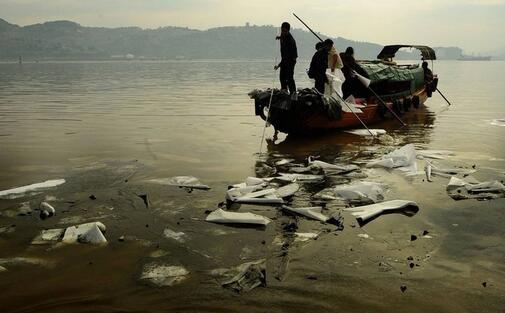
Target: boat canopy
(388, 52)
(378, 72)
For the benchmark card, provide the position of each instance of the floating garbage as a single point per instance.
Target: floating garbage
(427, 170)
(163, 275)
(48, 236)
(303, 237)
(498, 122)
(299, 178)
(449, 172)
(2, 269)
(46, 210)
(85, 233)
(364, 132)
(361, 191)
(331, 167)
(403, 159)
(469, 187)
(310, 212)
(20, 191)
(243, 278)
(19, 261)
(287, 191)
(265, 196)
(177, 236)
(7, 229)
(284, 162)
(181, 181)
(367, 213)
(225, 217)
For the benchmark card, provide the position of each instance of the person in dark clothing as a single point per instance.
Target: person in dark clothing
(352, 85)
(428, 74)
(289, 54)
(319, 64)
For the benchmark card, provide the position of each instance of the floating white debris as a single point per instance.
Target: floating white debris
(18, 261)
(331, 167)
(85, 233)
(181, 181)
(362, 191)
(2, 269)
(46, 210)
(364, 132)
(403, 158)
(163, 275)
(20, 191)
(253, 181)
(287, 191)
(177, 236)
(243, 278)
(367, 213)
(300, 177)
(449, 172)
(266, 196)
(471, 185)
(48, 236)
(427, 170)
(221, 216)
(302, 237)
(498, 122)
(311, 212)
(366, 236)
(284, 162)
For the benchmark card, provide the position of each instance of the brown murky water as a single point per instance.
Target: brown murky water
(107, 128)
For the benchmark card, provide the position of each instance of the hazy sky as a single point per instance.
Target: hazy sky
(474, 25)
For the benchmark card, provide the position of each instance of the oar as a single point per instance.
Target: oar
(443, 96)
(375, 94)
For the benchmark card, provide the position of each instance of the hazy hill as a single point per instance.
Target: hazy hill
(69, 40)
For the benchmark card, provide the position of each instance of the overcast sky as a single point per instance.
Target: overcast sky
(474, 25)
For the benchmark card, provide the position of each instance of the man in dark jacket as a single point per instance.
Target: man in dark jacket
(289, 54)
(319, 64)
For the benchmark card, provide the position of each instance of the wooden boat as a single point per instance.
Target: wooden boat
(401, 87)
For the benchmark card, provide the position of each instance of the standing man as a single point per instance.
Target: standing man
(319, 64)
(289, 54)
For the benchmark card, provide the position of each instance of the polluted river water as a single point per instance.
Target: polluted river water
(113, 130)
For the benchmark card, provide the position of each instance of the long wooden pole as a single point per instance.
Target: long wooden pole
(443, 96)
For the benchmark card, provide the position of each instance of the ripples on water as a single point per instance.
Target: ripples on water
(194, 118)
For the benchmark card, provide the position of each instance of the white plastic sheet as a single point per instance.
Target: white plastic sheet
(20, 191)
(164, 275)
(48, 236)
(403, 158)
(329, 167)
(299, 177)
(364, 132)
(287, 191)
(85, 233)
(181, 181)
(434, 154)
(225, 217)
(311, 212)
(368, 212)
(361, 191)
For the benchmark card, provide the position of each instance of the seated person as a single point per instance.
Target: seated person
(428, 74)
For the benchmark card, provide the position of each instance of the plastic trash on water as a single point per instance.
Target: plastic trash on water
(265, 196)
(310, 212)
(243, 278)
(85, 233)
(367, 213)
(163, 275)
(177, 236)
(48, 236)
(46, 210)
(331, 167)
(361, 191)
(307, 178)
(225, 217)
(469, 187)
(364, 132)
(20, 191)
(181, 181)
(287, 191)
(403, 158)
(303, 237)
